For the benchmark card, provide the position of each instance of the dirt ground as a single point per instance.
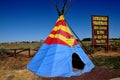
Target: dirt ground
(98, 73)
(15, 69)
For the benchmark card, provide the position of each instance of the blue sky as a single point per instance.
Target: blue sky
(32, 20)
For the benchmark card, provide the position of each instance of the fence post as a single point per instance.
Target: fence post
(15, 53)
(29, 52)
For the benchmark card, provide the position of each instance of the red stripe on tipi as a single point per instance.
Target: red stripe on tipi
(61, 22)
(50, 40)
(63, 33)
(75, 42)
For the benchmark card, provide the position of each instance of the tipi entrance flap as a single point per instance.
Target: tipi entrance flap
(77, 63)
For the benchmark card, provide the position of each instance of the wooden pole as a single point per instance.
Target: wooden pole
(15, 53)
(29, 52)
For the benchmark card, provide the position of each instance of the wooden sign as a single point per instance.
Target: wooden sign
(100, 30)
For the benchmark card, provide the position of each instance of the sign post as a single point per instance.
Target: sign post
(100, 31)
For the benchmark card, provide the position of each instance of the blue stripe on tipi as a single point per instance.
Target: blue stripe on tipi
(56, 60)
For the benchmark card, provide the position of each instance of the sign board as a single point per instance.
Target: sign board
(100, 30)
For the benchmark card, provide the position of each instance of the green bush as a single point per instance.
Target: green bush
(110, 62)
(115, 44)
(4, 53)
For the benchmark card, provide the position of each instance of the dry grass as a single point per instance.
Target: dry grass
(17, 75)
(15, 69)
(103, 54)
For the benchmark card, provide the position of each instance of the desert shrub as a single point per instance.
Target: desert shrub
(110, 62)
(115, 45)
(113, 62)
(93, 50)
(5, 52)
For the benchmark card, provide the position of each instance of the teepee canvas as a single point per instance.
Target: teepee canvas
(60, 55)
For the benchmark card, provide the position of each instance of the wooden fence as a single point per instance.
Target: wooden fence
(17, 51)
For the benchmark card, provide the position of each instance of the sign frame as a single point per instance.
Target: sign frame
(100, 30)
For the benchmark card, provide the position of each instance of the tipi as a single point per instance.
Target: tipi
(60, 54)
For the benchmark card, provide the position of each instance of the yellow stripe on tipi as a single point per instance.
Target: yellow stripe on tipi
(69, 41)
(63, 28)
(61, 18)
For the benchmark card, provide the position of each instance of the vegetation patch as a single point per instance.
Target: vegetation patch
(109, 62)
